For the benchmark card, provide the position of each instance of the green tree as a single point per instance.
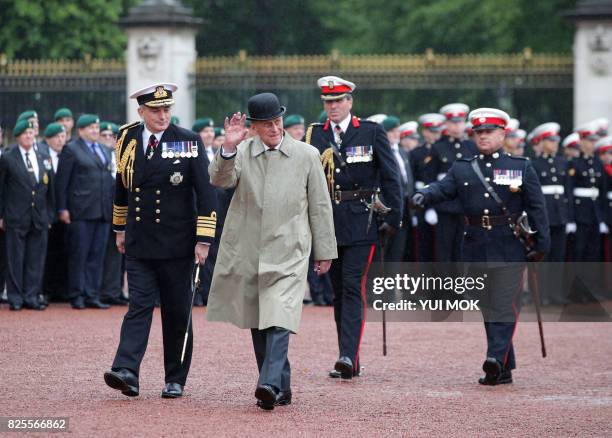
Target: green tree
(62, 28)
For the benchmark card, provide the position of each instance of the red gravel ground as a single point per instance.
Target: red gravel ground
(52, 364)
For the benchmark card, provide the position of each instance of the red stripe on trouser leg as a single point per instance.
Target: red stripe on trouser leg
(516, 316)
(364, 278)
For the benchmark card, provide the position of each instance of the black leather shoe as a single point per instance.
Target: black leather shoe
(15, 307)
(493, 372)
(34, 306)
(172, 390)
(123, 380)
(77, 303)
(336, 375)
(344, 366)
(266, 396)
(283, 398)
(96, 304)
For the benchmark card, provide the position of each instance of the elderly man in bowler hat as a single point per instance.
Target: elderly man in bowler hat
(280, 208)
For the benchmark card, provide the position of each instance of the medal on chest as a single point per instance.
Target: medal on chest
(508, 177)
(359, 154)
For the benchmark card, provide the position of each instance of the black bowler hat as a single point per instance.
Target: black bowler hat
(265, 106)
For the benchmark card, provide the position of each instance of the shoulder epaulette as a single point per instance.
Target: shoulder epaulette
(308, 135)
(129, 125)
(467, 159)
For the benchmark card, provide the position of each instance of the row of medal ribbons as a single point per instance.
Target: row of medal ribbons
(182, 149)
(359, 154)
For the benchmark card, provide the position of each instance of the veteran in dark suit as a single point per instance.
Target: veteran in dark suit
(164, 218)
(26, 210)
(493, 190)
(84, 202)
(357, 160)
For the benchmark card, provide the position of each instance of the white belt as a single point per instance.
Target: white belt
(610, 195)
(555, 189)
(441, 175)
(586, 192)
(419, 185)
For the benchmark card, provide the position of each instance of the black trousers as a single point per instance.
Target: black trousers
(549, 276)
(500, 306)
(55, 279)
(396, 245)
(87, 245)
(112, 274)
(449, 237)
(171, 279)
(206, 271)
(587, 243)
(26, 250)
(349, 300)
(425, 236)
(271, 347)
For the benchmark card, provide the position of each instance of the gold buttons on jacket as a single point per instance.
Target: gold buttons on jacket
(137, 209)
(157, 192)
(137, 218)
(137, 199)
(158, 211)
(137, 189)
(157, 220)
(157, 201)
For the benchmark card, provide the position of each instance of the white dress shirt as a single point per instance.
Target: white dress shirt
(146, 134)
(343, 125)
(54, 159)
(33, 160)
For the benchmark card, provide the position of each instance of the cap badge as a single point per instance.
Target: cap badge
(160, 93)
(330, 84)
(482, 119)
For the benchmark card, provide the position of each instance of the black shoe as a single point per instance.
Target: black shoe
(283, 398)
(266, 396)
(493, 372)
(34, 306)
(172, 390)
(198, 301)
(124, 380)
(336, 374)
(344, 366)
(42, 299)
(96, 304)
(114, 301)
(15, 307)
(77, 303)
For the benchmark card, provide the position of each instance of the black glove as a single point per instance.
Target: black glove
(535, 256)
(418, 201)
(387, 230)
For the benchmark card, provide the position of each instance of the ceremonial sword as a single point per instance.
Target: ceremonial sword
(195, 285)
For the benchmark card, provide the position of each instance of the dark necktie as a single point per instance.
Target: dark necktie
(339, 134)
(99, 153)
(30, 169)
(151, 147)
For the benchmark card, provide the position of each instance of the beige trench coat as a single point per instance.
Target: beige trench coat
(281, 205)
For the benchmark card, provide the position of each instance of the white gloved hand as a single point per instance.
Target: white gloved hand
(415, 221)
(431, 217)
(603, 228)
(570, 228)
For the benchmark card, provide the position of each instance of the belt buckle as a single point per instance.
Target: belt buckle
(485, 222)
(337, 194)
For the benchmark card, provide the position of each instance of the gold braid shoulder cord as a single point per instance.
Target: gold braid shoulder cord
(327, 160)
(125, 166)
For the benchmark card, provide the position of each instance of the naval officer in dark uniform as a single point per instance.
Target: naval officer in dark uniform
(452, 146)
(494, 189)
(357, 160)
(163, 216)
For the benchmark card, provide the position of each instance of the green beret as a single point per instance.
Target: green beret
(86, 120)
(61, 113)
(390, 122)
(219, 131)
(293, 119)
(322, 117)
(21, 126)
(26, 115)
(175, 120)
(200, 124)
(109, 126)
(53, 129)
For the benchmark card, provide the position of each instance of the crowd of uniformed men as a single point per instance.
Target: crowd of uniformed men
(56, 194)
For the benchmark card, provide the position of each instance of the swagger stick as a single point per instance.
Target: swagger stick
(532, 279)
(195, 285)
